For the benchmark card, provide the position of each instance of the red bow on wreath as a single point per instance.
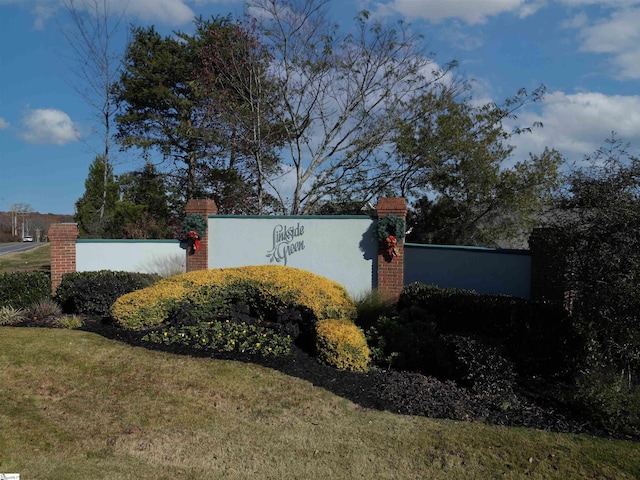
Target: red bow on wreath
(194, 240)
(391, 245)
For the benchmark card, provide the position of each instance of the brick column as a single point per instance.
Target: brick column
(63, 238)
(391, 270)
(200, 259)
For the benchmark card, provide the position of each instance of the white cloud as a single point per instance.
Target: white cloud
(577, 124)
(470, 11)
(601, 3)
(170, 12)
(3, 124)
(49, 126)
(617, 35)
(577, 21)
(531, 7)
(42, 13)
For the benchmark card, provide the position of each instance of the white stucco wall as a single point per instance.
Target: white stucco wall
(484, 270)
(341, 248)
(145, 256)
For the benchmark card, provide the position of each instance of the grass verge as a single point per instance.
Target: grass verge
(38, 258)
(76, 405)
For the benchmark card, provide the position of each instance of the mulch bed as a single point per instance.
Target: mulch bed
(404, 393)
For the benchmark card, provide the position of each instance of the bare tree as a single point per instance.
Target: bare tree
(97, 65)
(340, 96)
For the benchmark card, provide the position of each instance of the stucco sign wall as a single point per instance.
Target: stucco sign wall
(342, 248)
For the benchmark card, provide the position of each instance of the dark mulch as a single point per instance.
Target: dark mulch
(399, 392)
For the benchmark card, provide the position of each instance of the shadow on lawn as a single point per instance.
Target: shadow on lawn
(398, 392)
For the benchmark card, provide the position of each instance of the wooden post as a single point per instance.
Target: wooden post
(63, 238)
(391, 269)
(199, 260)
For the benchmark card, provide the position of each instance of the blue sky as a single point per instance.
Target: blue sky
(586, 52)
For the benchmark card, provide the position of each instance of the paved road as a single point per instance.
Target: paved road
(17, 247)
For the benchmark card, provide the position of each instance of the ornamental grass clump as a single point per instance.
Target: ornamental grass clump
(341, 344)
(10, 315)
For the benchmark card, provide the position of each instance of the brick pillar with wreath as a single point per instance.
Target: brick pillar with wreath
(390, 254)
(198, 258)
(62, 237)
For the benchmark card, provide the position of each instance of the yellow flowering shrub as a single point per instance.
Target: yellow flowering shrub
(279, 285)
(148, 306)
(341, 344)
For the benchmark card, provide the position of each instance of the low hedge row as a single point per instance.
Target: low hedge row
(23, 289)
(538, 336)
(93, 293)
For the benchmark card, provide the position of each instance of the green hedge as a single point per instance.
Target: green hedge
(538, 336)
(23, 289)
(93, 293)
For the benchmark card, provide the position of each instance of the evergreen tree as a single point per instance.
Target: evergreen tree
(596, 228)
(454, 157)
(175, 98)
(95, 208)
(143, 210)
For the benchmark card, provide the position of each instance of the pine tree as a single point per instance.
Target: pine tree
(101, 192)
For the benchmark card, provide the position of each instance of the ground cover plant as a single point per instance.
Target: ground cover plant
(226, 336)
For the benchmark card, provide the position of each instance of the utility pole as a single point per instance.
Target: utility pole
(16, 210)
(14, 219)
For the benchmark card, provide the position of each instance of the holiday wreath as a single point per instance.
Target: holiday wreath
(194, 227)
(389, 230)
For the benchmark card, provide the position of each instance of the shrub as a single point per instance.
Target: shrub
(224, 336)
(341, 344)
(477, 364)
(44, 308)
(539, 337)
(595, 231)
(10, 315)
(610, 401)
(407, 341)
(266, 290)
(70, 321)
(370, 307)
(411, 341)
(93, 293)
(23, 289)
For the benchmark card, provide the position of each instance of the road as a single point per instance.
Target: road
(17, 247)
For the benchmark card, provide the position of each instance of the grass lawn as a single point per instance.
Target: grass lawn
(75, 405)
(38, 258)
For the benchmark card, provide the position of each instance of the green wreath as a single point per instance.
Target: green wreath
(194, 222)
(390, 226)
